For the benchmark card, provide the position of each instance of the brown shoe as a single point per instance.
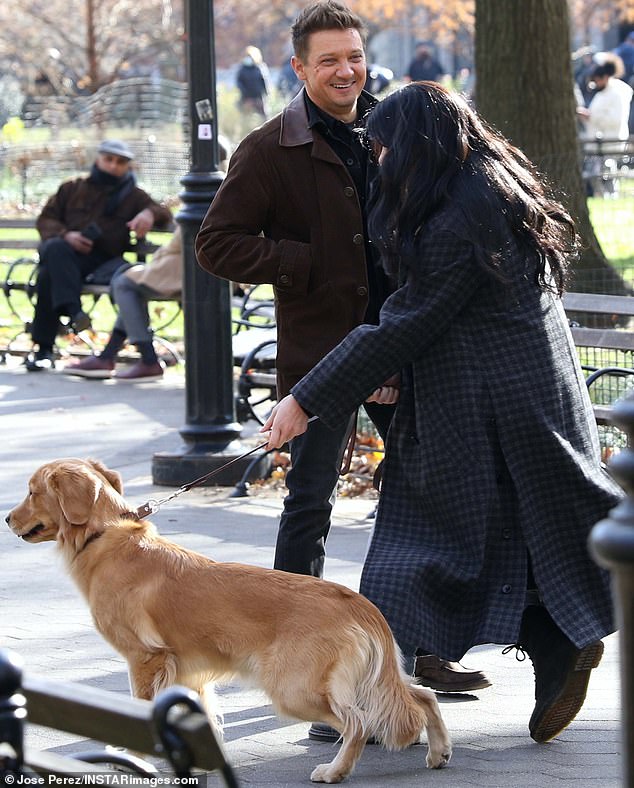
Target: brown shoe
(140, 371)
(443, 676)
(92, 367)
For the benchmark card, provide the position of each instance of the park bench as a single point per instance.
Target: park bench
(608, 164)
(603, 351)
(606, 354)
(167, 738)
(18, 270)
(601, 329)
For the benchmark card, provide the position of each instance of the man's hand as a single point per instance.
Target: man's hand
(287, 420)
(79, 242)
(387, 394)
(142, 223)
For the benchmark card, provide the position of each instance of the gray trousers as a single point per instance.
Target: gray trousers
(131, 299)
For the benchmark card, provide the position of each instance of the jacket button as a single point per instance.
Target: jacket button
(357, 239)
(506, 589)
(506, 533)
(285, 279)
(362, 291)
(349, 191)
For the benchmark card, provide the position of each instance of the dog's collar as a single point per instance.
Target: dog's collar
(136, 515)
(90, 539)
(97, 534)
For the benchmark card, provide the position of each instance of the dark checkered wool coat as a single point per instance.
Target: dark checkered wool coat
(492, 454)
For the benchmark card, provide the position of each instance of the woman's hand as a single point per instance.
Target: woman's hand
(287, 420)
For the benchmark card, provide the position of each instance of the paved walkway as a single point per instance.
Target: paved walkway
(46, 416)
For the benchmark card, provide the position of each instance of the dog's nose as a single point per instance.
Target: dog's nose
(7, 519)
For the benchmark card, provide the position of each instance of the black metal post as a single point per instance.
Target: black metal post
(12, 717)
(612, 545)
(211, 433)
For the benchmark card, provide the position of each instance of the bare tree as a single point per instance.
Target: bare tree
(84, 44)
(525, 89)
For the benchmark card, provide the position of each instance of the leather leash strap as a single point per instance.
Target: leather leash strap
(152, 506)
(346, 460)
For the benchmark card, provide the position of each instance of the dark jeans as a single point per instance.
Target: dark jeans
(60, 277)
(312, 484)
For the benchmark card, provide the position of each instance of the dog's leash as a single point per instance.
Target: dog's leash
(152, 505)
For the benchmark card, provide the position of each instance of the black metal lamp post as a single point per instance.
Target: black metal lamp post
(12, 717)
(612, 544)
(211, 433)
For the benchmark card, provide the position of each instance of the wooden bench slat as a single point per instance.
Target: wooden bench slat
(603, 338)
(114, 719)
(19, 222)
(603, 414)
(70, 707)
(18, 243)
(599, 303)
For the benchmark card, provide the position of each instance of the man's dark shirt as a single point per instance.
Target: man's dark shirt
(347, 145)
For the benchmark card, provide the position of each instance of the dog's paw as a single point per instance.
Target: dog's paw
(439, 759)
(324, 773)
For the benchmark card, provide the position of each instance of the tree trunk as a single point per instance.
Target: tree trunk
(91, 47)
(525, 89)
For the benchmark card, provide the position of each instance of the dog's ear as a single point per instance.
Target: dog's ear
(113, 477)
(76, 493)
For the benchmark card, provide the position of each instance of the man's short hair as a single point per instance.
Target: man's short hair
(324, 15)
(606, 69)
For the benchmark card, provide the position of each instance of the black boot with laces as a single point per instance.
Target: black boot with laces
(562, 672)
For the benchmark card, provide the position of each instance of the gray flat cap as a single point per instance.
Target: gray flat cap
(116, 148)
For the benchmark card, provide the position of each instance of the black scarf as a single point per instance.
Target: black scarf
(118, 188)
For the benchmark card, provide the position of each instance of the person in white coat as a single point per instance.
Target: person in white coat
(607, 115)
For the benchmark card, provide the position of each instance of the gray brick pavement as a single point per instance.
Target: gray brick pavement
(44, 619)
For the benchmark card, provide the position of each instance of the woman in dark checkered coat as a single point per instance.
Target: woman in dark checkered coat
(492, 476)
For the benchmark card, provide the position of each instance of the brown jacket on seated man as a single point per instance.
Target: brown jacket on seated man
(85, 229)
(131, 290)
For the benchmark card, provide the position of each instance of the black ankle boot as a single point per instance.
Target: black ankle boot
(562, 672)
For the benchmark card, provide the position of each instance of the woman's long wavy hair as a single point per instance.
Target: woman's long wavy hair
(440, 153)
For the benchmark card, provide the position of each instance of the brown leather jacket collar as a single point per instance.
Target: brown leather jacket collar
(294, 128)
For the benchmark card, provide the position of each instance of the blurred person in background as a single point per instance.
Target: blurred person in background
(253, 81)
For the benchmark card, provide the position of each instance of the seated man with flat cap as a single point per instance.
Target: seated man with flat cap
(85, 229)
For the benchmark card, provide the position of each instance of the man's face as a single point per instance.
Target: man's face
(113, 165)
(334, 71)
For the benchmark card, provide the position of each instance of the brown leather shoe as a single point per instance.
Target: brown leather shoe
(140, 371)
(443, 676)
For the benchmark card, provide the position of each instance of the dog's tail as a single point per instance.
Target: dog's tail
(371, 693)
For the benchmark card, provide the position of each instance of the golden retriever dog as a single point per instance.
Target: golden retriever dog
(319, 650)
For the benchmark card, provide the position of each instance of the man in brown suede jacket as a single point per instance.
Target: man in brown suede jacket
(291, 213)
